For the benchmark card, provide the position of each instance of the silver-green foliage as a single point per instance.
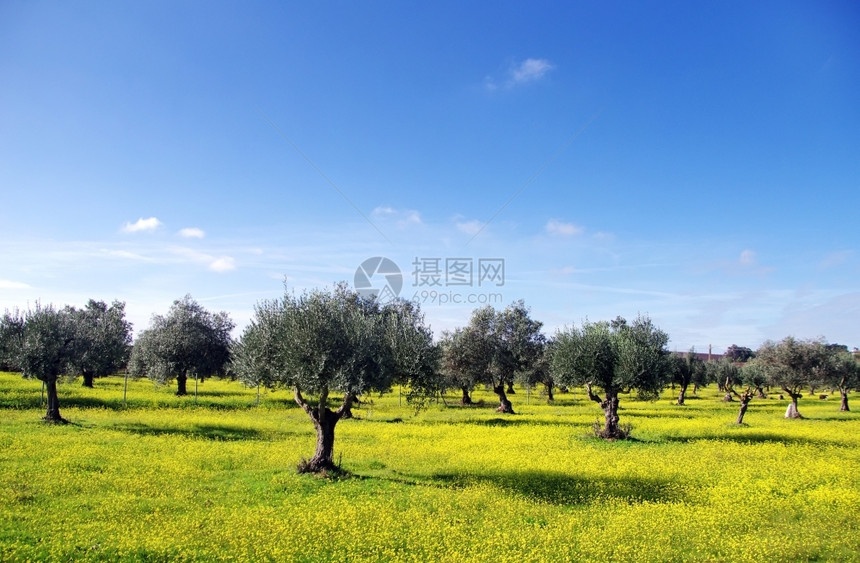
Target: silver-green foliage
(102, 339)
(615, 356)
(323, 341)
(187, 342)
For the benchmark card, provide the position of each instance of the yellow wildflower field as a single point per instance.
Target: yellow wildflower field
(160, 477)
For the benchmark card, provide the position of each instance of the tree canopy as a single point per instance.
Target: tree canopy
(791, 365)
(339, 341)
(496, 348)
(47, 348)
(687, 369)
(102, 339)
(188, 341)
(616, 357)
(839, 369)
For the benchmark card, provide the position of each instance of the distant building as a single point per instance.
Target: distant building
(704, 356)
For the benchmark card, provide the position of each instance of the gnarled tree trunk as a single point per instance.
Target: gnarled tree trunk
(53, 412)
(510, 390)
(683, 393)
(745, 401)
(844, 393)
(791, 411)
(549, 396)
(505, 405)
(466, 399)
(181, 381)
(610, 412)
(324, 420)
(88, 380)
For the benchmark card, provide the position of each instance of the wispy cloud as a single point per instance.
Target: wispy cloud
(223, 264)
(560, 228)
(529, 70)
(142, 225)
(192, 232)
(9, 284)
(125, 254)
(519, 73)
(216, 264)
(402, 218)
(747, 258)
(472, 227)
(382, 212)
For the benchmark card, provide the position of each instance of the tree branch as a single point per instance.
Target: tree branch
(591, 395)
(348, 399)
(297, 396)
(322, 407)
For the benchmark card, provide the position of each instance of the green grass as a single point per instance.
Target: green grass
(160, 478)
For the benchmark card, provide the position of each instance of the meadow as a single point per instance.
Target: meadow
(160, 477)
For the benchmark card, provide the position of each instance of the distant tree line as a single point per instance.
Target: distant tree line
(338, 342)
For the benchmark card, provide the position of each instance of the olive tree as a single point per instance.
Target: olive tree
(454, 373)
(46, 351)
(540, 372)
(496, 348)
(840, 370)
(324, 342)
(616, 357)
(521, 347)
(102, 339)
(188, 341)
(11, 340)
(687, 369)
(792, 365)
(754, 376)
(726, 373)
(470, 352)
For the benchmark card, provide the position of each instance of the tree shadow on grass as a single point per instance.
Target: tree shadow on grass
(657, 414)
(217, 432)
(555, 487)
(514, 421)
(749, 438)
(169, 402)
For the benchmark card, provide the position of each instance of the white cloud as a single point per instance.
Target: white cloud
(192, 232)
(560, 228)
(601, 235)
(529, 70)
(747, 258)
(142, 225)
(8, 284)
(125, 254)
(405, 217)
(472, 227)
(409, 218)
(223, 264)
(382, 211)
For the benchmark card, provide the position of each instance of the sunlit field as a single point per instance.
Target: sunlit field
(160, 477)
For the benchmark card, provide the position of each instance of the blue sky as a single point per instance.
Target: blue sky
(698, 162)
